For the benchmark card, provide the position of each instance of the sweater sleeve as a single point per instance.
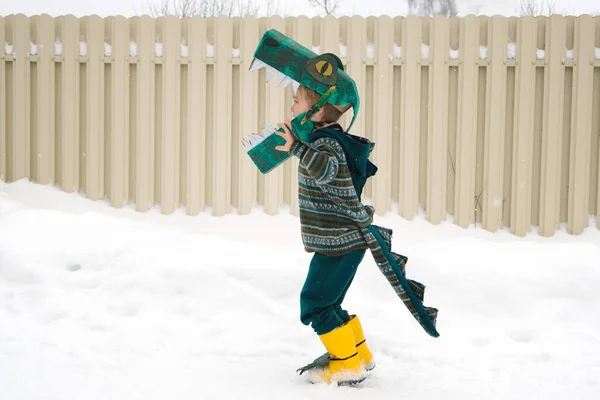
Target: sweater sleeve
(320, 162)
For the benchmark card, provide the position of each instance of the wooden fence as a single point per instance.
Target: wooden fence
(491, 120)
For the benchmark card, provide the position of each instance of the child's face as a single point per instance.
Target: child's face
(300, 105)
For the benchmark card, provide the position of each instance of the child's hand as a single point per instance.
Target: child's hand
(287, 135)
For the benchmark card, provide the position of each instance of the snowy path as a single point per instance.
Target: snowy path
(98, 303)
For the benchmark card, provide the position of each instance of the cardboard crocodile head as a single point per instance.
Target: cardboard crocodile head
(294, 64)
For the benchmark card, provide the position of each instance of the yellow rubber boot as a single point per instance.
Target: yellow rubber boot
(365, 355)
(344, 366)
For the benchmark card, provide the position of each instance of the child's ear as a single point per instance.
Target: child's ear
(318, 116)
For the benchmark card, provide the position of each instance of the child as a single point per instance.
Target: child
(334, 166)
(331, 217)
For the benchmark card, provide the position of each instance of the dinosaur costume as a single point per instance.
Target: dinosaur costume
(336, 226)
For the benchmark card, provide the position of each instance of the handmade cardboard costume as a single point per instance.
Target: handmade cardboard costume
(337, 208)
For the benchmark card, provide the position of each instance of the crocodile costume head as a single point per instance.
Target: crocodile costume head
(294, 63)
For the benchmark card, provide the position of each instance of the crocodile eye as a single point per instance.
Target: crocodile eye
(324, 68)
(271, 42)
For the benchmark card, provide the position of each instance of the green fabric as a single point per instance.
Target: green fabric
(327, 282)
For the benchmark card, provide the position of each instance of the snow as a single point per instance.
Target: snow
(370, 50)
(568, 54)
(107, 49)
(424, 51)
(540, 54)
(132, 49)
(343, 50)
(483, 52)
(8, 49)
(512, 51)
(210, 50)
(33, 49)
(82, 47)
(597, 53)
(316, 49)
(235, 53)
(158, 49)
(104, 303)
(57, 47)
(397, 51)
(453, 54)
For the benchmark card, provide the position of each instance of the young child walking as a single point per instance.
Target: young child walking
(332, 171)
(331, 217)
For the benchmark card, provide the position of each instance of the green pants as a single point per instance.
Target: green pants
(328, 280)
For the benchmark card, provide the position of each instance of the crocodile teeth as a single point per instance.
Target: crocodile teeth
(270, 73)
(280, 78)
(295, 85)
(287, 81)
(256, 65)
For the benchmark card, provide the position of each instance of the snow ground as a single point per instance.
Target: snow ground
(99, 303)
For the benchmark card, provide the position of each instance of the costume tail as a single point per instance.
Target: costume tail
(393, 266)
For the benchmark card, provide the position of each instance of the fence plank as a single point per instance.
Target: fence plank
(248, 122)
(196, 131)
(119, 123)
(145, 125)
(437, 138)
(18, 118)
(382, 111)
(597, 116)
(493, 179)
(466, 133)
(357, 41)
(69, 107)
(44, 102)
(522, 162)
(410, 117)
(221, 166)
(170, 121)
(93, 136)
(273, 187)
(3, 106)
(554, 93)
(303, 35)
(581, 129)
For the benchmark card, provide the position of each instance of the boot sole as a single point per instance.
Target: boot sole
(351, 382)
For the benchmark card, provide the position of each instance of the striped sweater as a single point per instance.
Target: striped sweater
(331, 213)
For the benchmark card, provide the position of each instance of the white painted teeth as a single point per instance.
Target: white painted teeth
(287, 81)
(253, 139)
(256, 65)
(280, 78)
(270, 73)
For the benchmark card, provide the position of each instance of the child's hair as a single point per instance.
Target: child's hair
(330, 112)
